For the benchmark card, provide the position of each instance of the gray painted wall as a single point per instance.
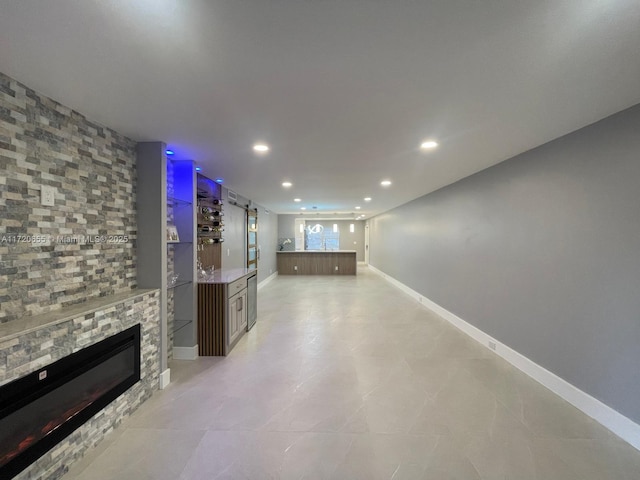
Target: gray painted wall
(348, 240)
(286, 229)
(286, 226)
(542, 252)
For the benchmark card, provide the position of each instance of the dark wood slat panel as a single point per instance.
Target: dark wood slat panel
(211, 328)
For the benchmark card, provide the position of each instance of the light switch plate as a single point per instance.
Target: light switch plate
(47, 196)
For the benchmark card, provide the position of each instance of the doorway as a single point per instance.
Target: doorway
(252, 239)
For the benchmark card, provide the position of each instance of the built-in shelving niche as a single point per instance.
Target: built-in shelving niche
(207, 191)
(182, 255)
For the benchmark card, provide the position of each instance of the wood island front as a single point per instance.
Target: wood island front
(317, 262)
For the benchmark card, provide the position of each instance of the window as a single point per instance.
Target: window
(317, 238)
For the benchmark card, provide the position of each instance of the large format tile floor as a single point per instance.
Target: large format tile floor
(349, 378)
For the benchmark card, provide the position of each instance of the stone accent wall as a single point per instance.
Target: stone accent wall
(28, 352)
(170, 262)
(84, 246)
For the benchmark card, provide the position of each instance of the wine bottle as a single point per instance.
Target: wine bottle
(213, 217)
(205, 229)
(209, 241)
(215, 201)
(206, 210)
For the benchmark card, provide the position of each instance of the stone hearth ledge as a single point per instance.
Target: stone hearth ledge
(27, 325)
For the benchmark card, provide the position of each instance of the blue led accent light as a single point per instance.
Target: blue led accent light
(169, 152)
(198, 169)
(219, 180)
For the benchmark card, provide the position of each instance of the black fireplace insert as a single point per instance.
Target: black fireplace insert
(41, 409)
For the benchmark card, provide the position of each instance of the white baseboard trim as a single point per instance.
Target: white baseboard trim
(622, 426)
(185, 353)
(267, 280)
(165, 379)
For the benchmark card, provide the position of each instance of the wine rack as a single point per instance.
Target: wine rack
(210, 222)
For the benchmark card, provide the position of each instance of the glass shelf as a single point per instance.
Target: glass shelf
(179, 284)
(178, 243)
(177, 201)
(180, 324)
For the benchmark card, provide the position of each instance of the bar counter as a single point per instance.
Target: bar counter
(317, 262)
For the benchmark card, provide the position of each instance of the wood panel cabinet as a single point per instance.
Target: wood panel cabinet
(317, 263)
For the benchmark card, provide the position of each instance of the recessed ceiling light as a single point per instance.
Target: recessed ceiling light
(357, 208)
(367, 199)
(198, 169)
(287, 184)
(169, 152)
(385, 183)
(303, 208)
(261, 148)
(219, 180)
(428, 144)
(297, 199)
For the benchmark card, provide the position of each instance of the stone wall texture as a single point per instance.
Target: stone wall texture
(170, 262)
(30, 351)
(84, 245)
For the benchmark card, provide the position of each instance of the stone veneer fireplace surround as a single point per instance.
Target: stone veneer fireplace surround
(41, 409)
(42, 340)
(58, 297)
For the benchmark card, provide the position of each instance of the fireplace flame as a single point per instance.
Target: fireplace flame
(38, 433)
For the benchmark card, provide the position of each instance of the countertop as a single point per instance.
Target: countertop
(27, 324)
(319, 251)
(228, 275)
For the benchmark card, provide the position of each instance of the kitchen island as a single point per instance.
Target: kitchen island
(317, 262)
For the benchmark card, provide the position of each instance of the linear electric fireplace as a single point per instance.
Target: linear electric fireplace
(41, 409)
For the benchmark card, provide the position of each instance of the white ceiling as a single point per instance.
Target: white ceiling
(343, 91)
